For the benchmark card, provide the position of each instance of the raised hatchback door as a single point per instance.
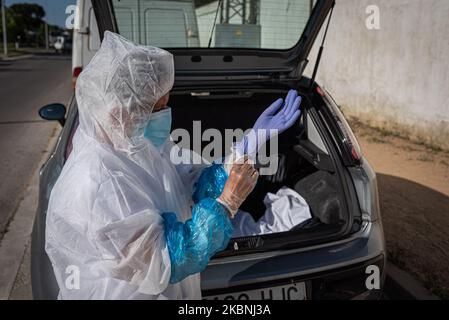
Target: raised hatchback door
(222, 38)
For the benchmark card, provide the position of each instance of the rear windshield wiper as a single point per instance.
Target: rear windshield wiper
(215, 22)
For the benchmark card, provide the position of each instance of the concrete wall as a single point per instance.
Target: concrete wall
(396, 77)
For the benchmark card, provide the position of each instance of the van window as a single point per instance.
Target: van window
(127, 21)
(166, 35)
(266, 24)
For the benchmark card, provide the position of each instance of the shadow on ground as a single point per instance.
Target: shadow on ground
(416, 223)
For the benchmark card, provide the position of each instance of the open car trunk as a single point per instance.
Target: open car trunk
(305, 165)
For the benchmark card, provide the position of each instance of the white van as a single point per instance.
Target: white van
(86, 39)
(147, 17)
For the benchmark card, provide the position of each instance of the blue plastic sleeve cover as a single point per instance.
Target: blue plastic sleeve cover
(193, 243)
(210, 184)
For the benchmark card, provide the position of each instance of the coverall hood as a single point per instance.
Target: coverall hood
(118, 90)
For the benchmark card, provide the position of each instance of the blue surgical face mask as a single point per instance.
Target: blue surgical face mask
(159, 127)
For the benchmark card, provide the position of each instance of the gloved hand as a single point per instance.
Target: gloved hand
(271, 119)
(241, 182)
(285, 118)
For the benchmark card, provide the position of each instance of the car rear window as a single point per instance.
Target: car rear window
(259, 24)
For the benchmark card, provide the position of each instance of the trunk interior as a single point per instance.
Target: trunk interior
(303, 166)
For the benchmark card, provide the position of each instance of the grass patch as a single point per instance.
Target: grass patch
(388, 133)
(356, 124)
(429, 146)
(409, 149)
(377, 140)
(425, 158)
(443, 162)
(12, 52)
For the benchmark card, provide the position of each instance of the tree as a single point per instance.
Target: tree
(24, 20)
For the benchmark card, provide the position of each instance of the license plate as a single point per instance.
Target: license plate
(294, 291)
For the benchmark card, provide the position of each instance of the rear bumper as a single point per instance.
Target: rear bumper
(339, 267)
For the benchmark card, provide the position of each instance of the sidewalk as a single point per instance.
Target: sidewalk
(15, 58)
(23, 53)
(15, 247)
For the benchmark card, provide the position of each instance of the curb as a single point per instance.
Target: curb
(400, 285)
(15, 240)
(25, 56)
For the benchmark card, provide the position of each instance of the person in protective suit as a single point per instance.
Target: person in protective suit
(132, 223)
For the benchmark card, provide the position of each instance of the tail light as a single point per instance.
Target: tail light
(76, 72)
(349, 139)
(363, 175)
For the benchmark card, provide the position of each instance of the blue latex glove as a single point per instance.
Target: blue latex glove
(272, 119)
(285, 118)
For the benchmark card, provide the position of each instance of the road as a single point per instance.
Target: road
(25, 86)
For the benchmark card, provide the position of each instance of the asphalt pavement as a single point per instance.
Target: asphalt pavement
(26, 85)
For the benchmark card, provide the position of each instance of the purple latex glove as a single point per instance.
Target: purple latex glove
(272, 119)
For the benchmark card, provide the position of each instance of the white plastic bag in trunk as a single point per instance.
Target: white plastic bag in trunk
(285, 210)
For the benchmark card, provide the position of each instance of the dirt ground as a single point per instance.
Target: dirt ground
(413, 184)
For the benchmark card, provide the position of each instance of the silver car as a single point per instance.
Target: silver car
(339, 253)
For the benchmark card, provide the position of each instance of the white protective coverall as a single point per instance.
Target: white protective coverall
(104, 215)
